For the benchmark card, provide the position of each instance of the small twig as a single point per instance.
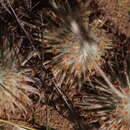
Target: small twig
(63, 96)
(16, 125)
(21, 25)
(77, 120)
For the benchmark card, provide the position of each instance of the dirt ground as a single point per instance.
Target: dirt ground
(117, 13)
(54, 112)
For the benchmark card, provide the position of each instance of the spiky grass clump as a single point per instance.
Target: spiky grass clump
(14, 90)
(15, 85)
(75, 49)
(108, 99)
